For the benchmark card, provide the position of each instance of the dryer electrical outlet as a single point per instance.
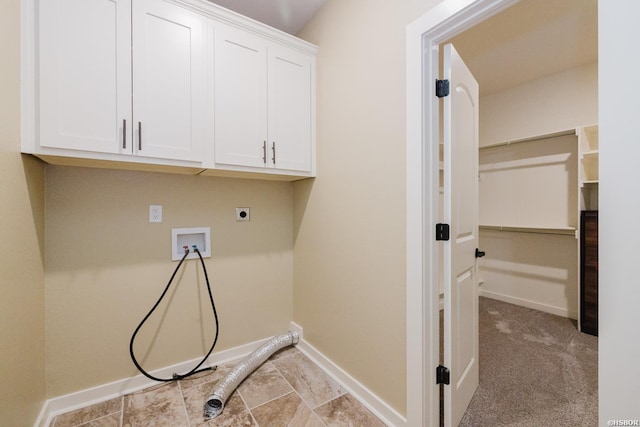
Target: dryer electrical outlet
(243, 214)
(181, 237)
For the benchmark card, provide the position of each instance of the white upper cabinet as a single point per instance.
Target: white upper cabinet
(170, 79)
(263, 103)
(85, 73)
(123, 77)
(240, 98)
(149, 84)
(290, 110)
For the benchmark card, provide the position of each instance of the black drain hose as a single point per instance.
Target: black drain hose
(215, 315)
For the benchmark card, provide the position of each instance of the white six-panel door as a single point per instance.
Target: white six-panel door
(460, 133)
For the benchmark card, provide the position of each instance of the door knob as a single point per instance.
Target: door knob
(479, 253)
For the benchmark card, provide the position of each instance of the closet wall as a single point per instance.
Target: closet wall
(529, 190)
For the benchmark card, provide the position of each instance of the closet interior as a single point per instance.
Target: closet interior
(538, 157)
(533, 193)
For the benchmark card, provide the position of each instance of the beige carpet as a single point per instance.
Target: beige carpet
(536, 370)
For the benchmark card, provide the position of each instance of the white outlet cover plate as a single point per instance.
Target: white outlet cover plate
(180, 237)
(155, 213)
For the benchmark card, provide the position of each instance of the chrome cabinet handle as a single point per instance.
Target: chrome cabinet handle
(140, 136)
(124, 133)
(273, 149)
(264, 152)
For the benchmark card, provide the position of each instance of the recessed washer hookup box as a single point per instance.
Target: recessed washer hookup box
(181, 237)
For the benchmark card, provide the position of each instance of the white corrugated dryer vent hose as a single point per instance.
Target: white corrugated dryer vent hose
(215, 402)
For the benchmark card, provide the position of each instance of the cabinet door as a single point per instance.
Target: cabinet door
(290, 110)
(169, 81)
(85, 73)
(240, 98)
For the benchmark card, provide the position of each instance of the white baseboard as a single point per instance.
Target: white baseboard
(558, 311)
(370, 400)
(70, 402)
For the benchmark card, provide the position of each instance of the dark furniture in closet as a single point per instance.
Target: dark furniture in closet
(589, 272)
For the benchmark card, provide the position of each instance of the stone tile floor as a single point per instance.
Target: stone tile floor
(287, 390)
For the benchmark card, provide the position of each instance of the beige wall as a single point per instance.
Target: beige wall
(107, 265)
(349, 234)
(558, 102)
(22, 356)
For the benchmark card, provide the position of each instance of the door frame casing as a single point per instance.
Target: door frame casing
(423, 37)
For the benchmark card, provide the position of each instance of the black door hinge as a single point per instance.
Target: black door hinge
(442, 231)
(442, 88)
(443, 376)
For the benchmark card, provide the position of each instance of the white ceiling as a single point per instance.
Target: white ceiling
(530, 40)
(286, 15)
